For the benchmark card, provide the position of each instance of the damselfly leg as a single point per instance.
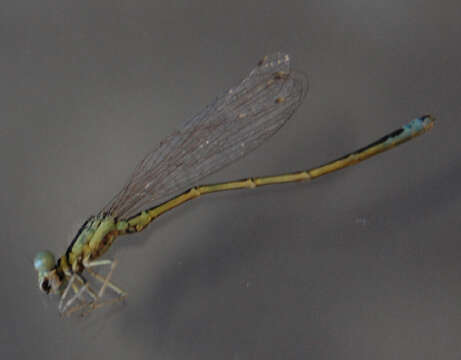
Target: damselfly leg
(93, 299)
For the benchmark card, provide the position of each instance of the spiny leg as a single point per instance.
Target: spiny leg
(78, 292)
(86, 306)
(104, 280)
(65, 292)
(81, 304)
(65, 306)
(90, 291)
(67, 310)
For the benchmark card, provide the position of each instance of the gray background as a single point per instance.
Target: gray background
(362, 264)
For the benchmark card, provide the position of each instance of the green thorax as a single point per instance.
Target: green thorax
(92, 240)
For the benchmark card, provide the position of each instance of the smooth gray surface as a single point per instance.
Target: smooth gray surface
(362, 264)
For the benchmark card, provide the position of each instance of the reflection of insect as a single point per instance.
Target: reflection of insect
(233, 125)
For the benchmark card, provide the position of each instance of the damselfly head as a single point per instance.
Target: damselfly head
(44, 263)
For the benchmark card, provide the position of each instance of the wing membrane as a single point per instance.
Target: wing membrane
(233, 125)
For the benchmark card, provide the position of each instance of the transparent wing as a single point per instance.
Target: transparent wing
(233, 125)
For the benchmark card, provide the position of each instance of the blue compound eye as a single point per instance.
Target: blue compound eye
(44, 261)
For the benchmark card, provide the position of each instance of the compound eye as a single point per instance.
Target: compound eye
(44, 261)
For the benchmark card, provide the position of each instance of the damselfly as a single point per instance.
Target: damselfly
(233, 125)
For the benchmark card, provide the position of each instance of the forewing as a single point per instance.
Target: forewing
(233, 125)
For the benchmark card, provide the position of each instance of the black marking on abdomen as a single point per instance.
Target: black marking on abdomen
(393, 134)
